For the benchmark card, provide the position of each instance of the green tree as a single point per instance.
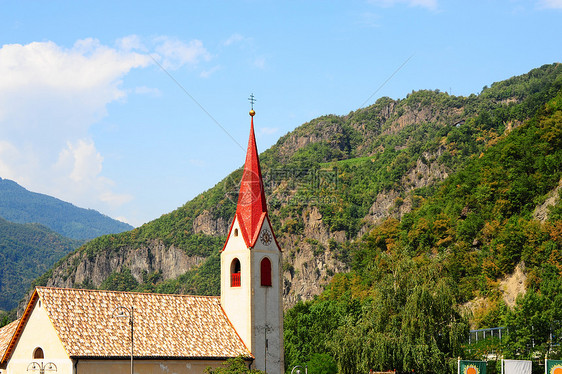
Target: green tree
(534, 324)
(321, 363)
(233, 366)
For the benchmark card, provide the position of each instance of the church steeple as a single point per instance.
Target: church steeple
(251, 208)
(251, 269)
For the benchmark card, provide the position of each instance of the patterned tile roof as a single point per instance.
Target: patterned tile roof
(176, 326)
(6, 334)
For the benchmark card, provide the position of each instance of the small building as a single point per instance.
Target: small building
(75, 331)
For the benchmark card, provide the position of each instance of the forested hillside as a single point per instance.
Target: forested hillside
(22, 206)
(27, 250)
(413, 213)
(400, 305)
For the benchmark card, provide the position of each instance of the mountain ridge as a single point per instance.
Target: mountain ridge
(19, 205)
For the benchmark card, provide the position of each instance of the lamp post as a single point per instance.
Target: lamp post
(42, 367)
(120, 312)
(298, 371)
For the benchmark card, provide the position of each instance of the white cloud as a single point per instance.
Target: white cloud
(174, 53)
(130, 43)
(428, 4)
(143, 90)
(49, 97)
(87, 65)
(8, 157)
(233, 39)
(80, 165)
(45, 86)
(550, 4)
(82, 160)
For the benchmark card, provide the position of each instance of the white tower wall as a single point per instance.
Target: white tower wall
(255, 311)
(267, 305)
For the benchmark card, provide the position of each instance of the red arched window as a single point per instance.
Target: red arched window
(235, 273)
(265, 272)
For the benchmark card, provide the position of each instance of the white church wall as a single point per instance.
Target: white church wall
(39, 333)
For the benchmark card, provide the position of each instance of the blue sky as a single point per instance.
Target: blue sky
(135, 107)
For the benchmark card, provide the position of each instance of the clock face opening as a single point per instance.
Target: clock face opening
(266, 238)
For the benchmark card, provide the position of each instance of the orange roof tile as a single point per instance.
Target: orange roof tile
(176, 326)
(6, 334)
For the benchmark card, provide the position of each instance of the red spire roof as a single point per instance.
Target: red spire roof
(251, 208)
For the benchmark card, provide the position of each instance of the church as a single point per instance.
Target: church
(74, 331)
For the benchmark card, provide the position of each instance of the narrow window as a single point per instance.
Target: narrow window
(38, 353)
(235, 232)
(235, 273)
(265, 272)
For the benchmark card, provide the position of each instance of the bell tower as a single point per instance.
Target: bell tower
(251, 278)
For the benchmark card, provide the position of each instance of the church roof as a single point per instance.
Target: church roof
(165, 326)
(251, 208)
(6, 334)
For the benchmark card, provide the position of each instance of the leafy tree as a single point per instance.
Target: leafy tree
(321, 363)
(122, 281)
(233, 366)
(535, 324)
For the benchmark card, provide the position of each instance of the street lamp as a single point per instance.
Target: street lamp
(298, 371)
(34, 366)
(120, 312)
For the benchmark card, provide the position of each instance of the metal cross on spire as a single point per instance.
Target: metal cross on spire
(252, 100)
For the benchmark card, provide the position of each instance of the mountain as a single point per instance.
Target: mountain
(481, 249)
(22, 206)
(403, 225)
(328, 182)
(27, 251)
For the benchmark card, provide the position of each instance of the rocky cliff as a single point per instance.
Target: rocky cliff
(83, 270)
